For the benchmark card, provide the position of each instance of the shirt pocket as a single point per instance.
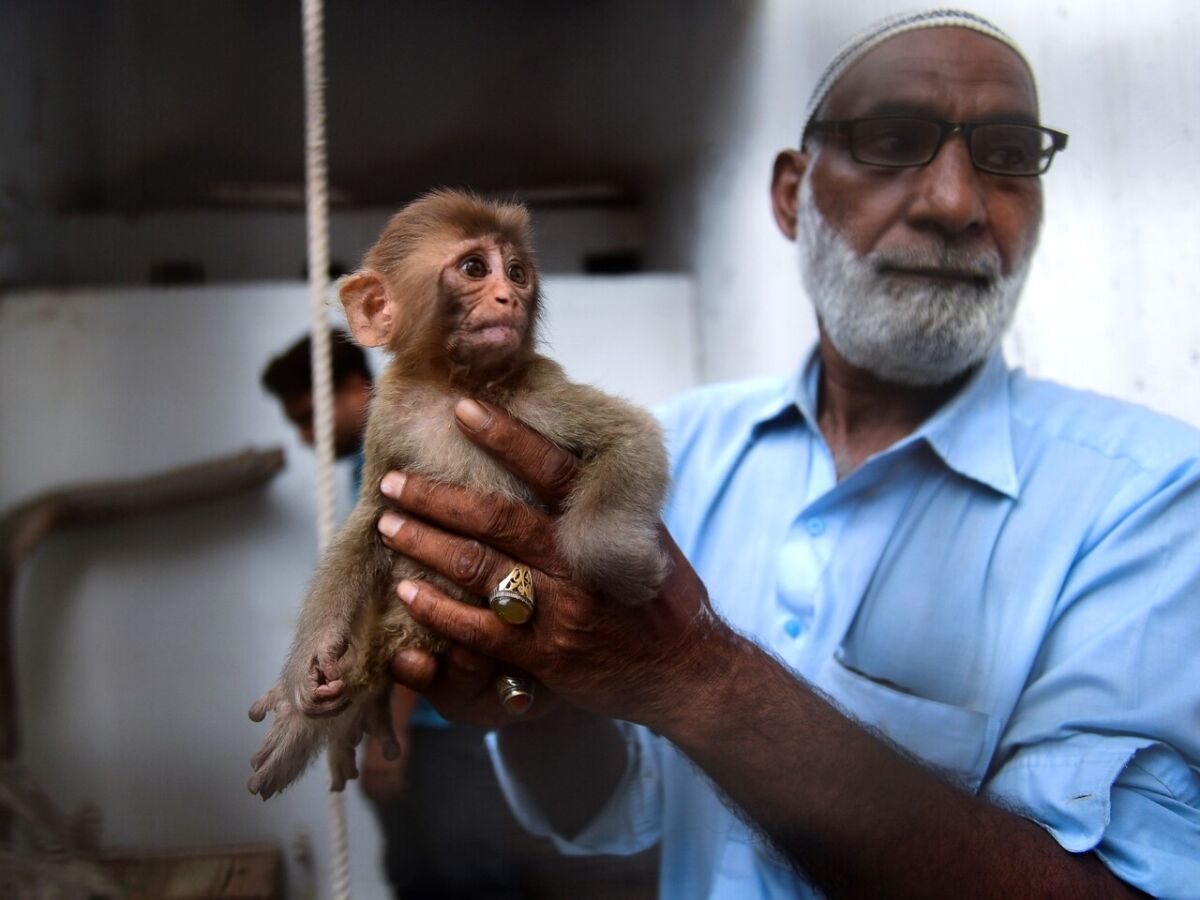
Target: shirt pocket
(954, 739)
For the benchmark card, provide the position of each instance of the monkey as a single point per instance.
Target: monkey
(451, 289)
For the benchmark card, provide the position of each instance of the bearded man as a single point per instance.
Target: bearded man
(940, 635)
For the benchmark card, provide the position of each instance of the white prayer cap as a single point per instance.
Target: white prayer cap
(866, 41)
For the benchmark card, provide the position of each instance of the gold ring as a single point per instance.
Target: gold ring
(513, 599)
(516, 693)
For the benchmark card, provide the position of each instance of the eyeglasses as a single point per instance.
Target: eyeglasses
(1002, 148)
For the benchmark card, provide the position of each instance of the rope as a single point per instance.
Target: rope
(317, 196)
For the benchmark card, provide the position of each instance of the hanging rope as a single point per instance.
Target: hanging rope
(317, 196)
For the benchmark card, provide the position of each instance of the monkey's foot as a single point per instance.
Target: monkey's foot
(266, 703)
(285, 752)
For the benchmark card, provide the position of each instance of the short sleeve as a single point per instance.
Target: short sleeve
(1103, 746)
(631, 820)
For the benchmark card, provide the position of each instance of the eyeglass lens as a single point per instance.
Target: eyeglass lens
(1009, 149)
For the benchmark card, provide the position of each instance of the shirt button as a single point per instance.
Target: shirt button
(816, 527)
(792, 628)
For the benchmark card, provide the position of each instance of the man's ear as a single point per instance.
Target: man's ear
(785, 189)
(371, 309)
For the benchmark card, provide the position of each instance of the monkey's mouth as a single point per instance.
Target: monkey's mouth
(488, 341)
(495, 335)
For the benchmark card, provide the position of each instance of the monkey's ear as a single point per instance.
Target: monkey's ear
(370, 307)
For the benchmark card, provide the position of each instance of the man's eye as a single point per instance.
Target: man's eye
(516, 273)
(473, 267)
(1010, 156)
(891, 142)
(1009, 148)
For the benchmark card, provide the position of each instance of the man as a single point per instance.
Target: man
(288, 377)
(972, 598)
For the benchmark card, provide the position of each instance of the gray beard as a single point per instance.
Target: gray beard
(918, 335)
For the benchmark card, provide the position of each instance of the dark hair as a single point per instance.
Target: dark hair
(290, 373)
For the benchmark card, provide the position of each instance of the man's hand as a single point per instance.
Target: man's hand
(613, 660)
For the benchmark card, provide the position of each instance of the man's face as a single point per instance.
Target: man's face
(924, 262)
(350, 403)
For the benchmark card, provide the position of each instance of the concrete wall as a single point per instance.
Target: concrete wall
(1111, 301)
(141, 645)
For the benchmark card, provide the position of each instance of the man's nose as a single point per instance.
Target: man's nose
(950, 192)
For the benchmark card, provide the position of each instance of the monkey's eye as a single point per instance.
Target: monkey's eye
(516, 273)
(473, 267)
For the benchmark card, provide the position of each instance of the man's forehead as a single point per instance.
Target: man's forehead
(955, 71)
(923, 65)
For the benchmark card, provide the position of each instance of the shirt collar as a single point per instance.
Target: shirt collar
(971, 433)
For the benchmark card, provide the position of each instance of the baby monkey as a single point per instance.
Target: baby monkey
(451, 289)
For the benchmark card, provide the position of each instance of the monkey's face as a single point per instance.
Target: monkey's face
(488, 294)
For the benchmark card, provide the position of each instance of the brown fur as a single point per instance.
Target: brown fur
(608, 527)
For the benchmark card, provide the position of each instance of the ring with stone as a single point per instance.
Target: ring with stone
(516, 693)
(513, 598)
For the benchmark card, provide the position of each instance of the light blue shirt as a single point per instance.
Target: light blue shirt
(1011, 593)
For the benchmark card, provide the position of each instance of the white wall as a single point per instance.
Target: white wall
(140, 646)
(1111, 300)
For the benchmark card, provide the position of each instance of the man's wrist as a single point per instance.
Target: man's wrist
(705, 681)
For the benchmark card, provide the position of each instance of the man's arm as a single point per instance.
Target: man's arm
(855, 815)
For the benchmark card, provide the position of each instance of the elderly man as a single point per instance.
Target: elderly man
(951, 646)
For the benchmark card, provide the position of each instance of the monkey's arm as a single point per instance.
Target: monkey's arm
(608, 529)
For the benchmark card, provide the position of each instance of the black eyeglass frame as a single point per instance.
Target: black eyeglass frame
(845, 127)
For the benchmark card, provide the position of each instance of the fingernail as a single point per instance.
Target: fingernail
(389, 523)
(407, 591)
(393, 484)
(472, 414)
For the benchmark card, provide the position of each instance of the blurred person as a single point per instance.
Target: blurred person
(288, 378)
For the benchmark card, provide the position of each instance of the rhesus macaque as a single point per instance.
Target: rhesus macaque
(450, 288)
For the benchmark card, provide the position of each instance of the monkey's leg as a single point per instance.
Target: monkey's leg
(377, 721)
(353, 574)
(345, 733)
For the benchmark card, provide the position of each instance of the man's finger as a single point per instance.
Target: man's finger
(548, 469)
(415, 669)
(516, 528)
(476, 628)
(465, 673)
(472, 565)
